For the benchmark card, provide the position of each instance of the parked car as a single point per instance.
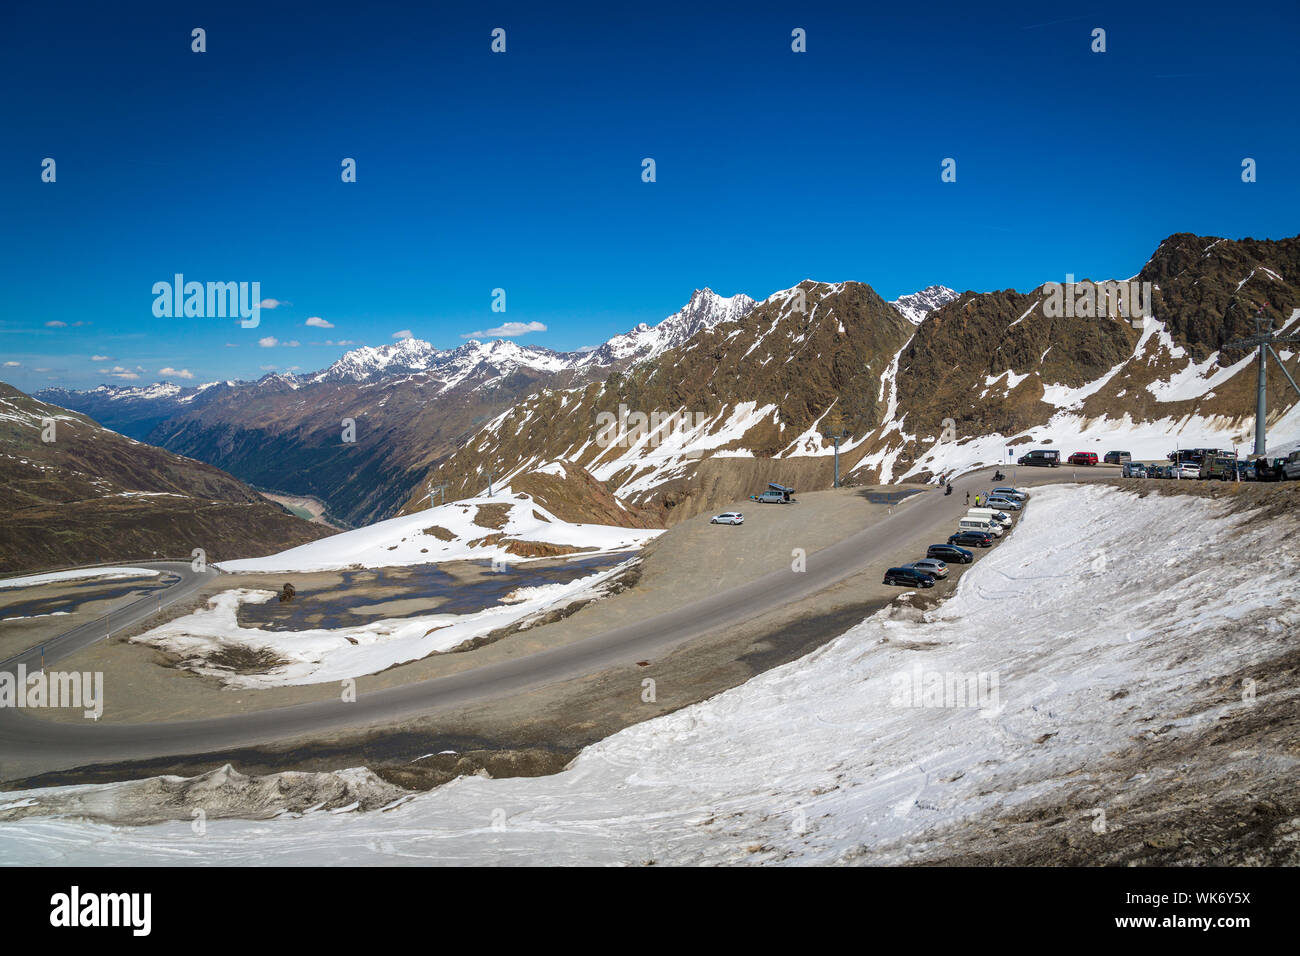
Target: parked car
(771, 498)
(1291, 467)
(909, 578)
(1221, 468)
(1002, 503)
(1001, 517)
(1245, 470)
(728, 517)
(1011, 493)
(1134, 470)
(1268, 469)
(950, 553)
(930, 566)
(1117, 457)
(977, 538)
(1046, 457)
(980, 523)
(1187, 469)
(1083, 458)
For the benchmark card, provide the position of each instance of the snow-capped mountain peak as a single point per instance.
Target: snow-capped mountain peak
(918, 305)
(704, 310)
(416, 356)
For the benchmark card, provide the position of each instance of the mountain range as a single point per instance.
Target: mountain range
(979, 374)
(410, 405)
(931, 382)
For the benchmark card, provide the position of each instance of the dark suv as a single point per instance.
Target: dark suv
(950, 553)
(978, 538)
(1117, 457)
(1047, 457)
(908, 578)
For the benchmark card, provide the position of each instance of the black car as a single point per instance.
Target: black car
(978, 538)
(908, 578)
(950, 553)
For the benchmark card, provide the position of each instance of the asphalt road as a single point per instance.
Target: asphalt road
(188, 581)
(30, 745)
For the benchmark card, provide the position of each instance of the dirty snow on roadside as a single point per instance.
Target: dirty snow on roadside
(1073, 641)
(56, 577)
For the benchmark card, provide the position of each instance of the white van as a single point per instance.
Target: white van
(981, 523)
(992, 514)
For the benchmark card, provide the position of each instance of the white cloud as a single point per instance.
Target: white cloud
(272, 303)
(317, 322)
(13, 364)
(56, 324)
(509, 330)
(268, 368)
(269, 342)
(176, 372)
(118, 371)
(101, 358)
(291, 345)
(340, 342)
(404, 334)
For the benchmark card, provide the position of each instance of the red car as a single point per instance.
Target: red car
(1083, 458)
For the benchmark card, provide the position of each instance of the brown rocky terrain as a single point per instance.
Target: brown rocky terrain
(993, 363)
(834, 350)
(91, 495)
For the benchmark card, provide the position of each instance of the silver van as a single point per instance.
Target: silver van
(980, 523)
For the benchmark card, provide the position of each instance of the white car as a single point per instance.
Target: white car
(1189, 469)
(728, 517)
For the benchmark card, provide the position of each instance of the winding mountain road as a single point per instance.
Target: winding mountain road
(188, 581)
(38, 745)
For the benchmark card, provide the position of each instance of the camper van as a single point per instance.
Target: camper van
(991, 514)
(981, 523)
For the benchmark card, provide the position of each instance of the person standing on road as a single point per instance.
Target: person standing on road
(968, 499)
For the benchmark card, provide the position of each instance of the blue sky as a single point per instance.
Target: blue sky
(522, 170)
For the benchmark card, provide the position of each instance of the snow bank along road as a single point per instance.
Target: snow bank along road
(30, 745)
